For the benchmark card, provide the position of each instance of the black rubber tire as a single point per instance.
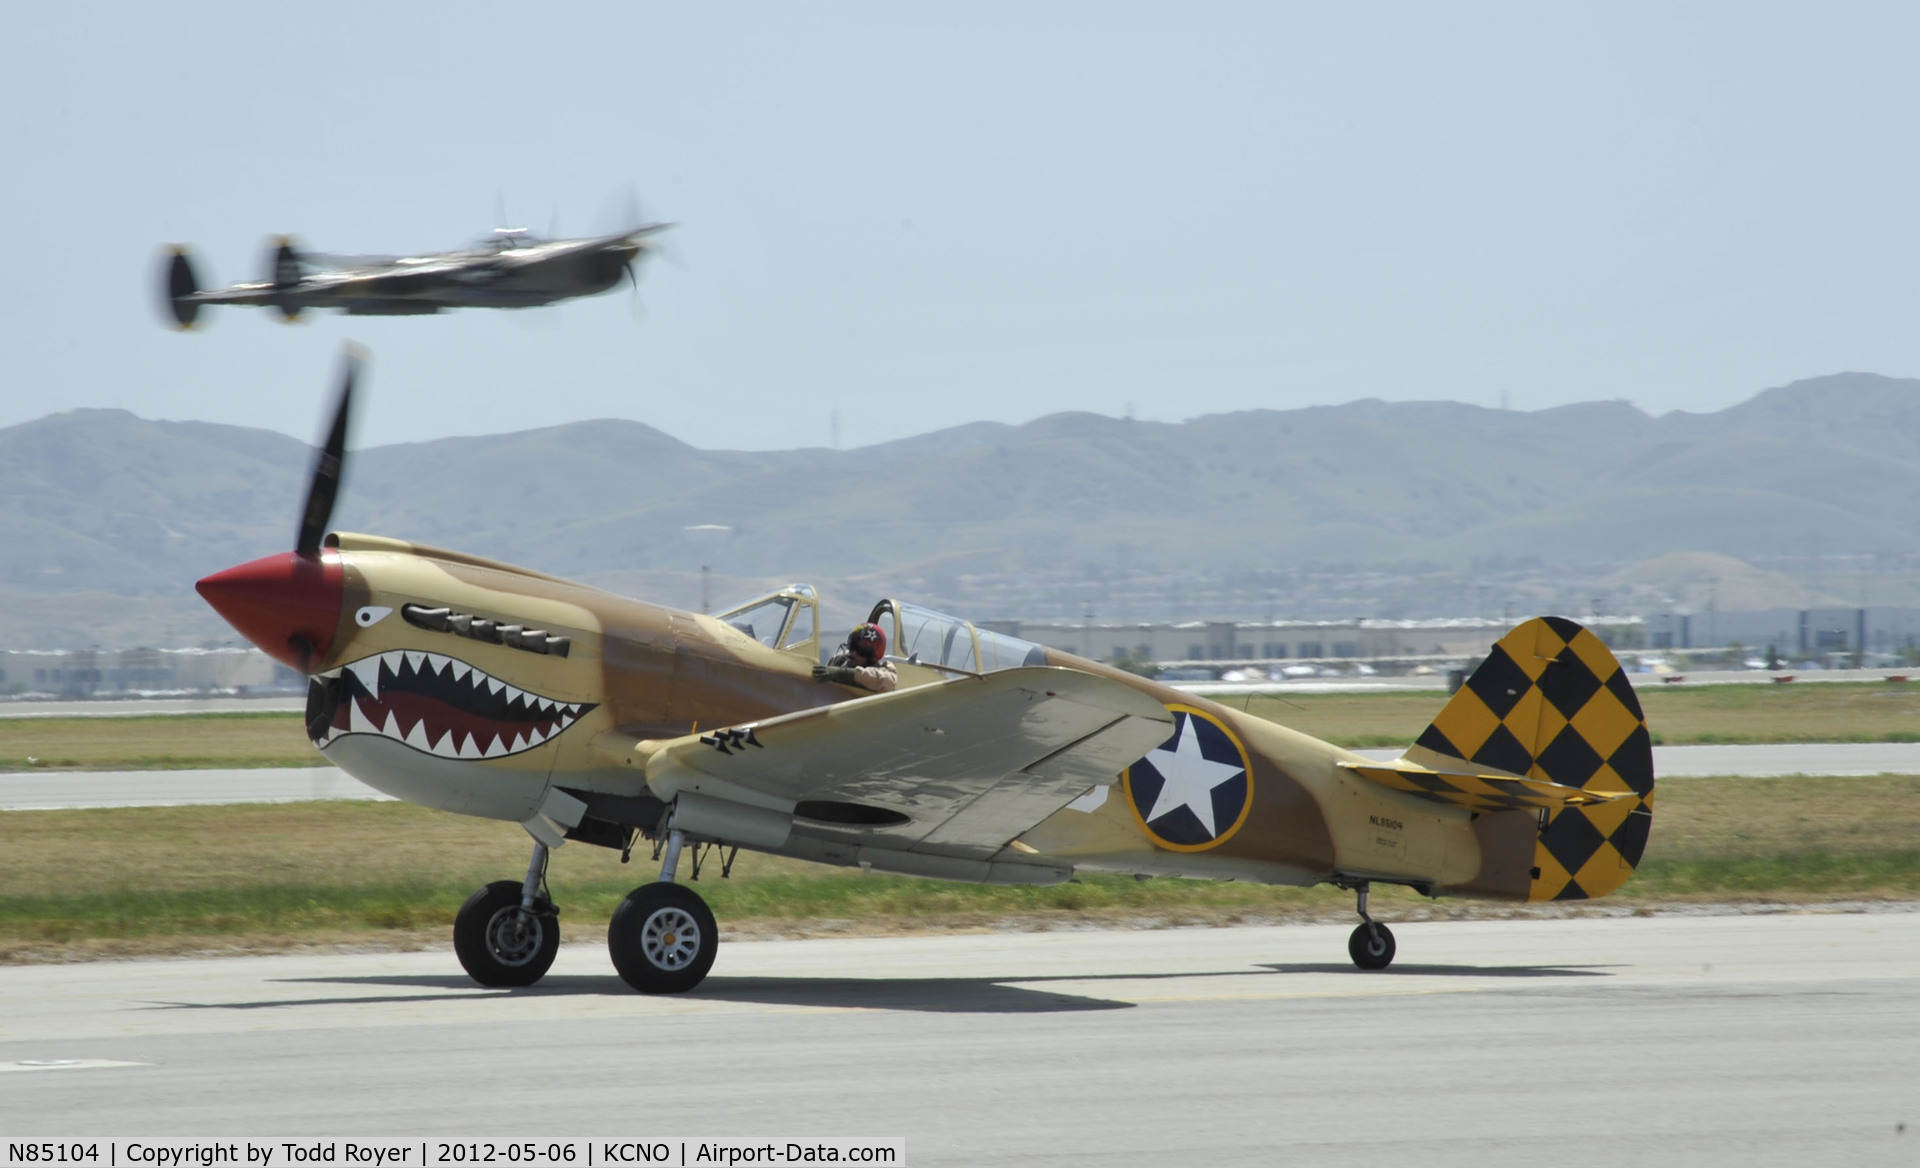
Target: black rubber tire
(488, 949)
(662, 939)
(1371, 945)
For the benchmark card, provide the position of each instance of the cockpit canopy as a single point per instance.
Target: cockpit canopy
(786, 620)
(789, 620)
(921, 636)
(509, 238)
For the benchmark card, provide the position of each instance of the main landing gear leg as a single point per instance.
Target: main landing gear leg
(662, 937)
(1371, 944)
(508, 932)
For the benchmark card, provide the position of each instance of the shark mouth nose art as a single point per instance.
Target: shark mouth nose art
(436, 704)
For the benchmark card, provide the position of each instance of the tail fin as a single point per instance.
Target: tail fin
(287, 270)
(181, 285)
(1551, 702)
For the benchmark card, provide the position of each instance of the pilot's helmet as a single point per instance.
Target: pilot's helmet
(869, 641)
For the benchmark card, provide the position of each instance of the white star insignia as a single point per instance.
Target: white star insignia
(1190, 778)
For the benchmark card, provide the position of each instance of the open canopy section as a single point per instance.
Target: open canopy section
(921, 636)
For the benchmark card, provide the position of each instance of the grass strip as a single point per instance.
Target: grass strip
(216, 912)
(1876, 711)
(221, 741)
(170, 879)
(1877, 875)
(286, 915)
(828, 896)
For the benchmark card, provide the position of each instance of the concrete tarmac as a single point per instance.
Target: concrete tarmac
(1682, 1040)
(1797, 758)
(51, 790)
(150, 707)
(1773, 760)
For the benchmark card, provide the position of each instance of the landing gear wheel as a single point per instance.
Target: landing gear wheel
(1371, 945)
(662, 939)
(499, 944)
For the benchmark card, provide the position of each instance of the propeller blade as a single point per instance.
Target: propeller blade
(327, 468)
(653, 241)
(182, 283)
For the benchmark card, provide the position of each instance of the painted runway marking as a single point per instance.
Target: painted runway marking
(65, 1065)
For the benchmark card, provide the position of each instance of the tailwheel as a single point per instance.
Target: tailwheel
(662, 939)
(499, 942)
(1371, 945)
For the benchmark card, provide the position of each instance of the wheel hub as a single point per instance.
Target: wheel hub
(514, 935)
(670, 939)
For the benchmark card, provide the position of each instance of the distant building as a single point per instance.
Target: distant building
(1269, 642)
(105, 672)
(1804, 633)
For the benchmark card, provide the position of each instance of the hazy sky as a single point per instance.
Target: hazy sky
(923, 215)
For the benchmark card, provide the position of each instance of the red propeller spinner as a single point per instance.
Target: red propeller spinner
(286, 603)
(289, 603)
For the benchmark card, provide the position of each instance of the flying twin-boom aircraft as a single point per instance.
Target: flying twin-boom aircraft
(509, 269)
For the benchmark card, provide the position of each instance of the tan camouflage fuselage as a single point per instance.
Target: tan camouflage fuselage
(560, 680)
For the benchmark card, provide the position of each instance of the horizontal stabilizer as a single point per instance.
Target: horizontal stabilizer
(1479, 790)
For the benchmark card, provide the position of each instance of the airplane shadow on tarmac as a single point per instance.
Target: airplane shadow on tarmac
(939, 995)
(945, 995)
(1410, 970)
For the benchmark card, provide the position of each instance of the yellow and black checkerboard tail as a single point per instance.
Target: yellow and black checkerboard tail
(1551, 702)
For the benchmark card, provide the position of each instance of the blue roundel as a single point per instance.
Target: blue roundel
(1193, 790)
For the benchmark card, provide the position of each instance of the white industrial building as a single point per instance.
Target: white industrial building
(1218, 643)
(109, 672)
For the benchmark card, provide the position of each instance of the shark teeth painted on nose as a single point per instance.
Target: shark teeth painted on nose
(443, 706)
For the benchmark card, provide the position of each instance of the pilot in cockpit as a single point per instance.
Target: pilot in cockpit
(862, 661)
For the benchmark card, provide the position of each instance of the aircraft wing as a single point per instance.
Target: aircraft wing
(253, 294)
(958, 768)
(1481, 789)
(408, 277)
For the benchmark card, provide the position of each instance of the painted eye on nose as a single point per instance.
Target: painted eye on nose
(371, 615)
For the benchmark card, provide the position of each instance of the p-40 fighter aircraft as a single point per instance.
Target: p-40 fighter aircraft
(486, 689)
(510, 269)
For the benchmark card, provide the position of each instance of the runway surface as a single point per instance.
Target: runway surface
(148, 707)
(1748, 1040)
(1766, 761)
(47, 790)
(1799, 758)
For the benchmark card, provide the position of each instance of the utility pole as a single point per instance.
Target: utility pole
(1713, 614)
(706, 599)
